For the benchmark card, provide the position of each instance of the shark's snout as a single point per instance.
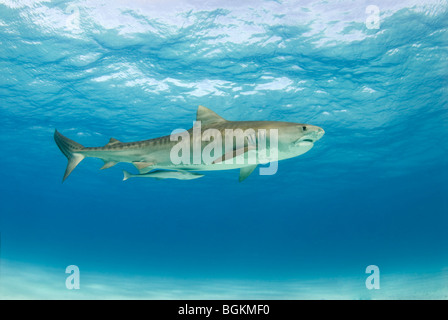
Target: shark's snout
(319, 133)
(313, 134)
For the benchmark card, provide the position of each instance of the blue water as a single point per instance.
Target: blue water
(372, 191)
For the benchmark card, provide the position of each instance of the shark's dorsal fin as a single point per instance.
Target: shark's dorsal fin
(207, 116)
(112, 141)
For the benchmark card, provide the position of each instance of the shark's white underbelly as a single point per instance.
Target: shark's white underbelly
(238, 162)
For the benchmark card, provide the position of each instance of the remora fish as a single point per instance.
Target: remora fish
(291, 140)
(163, 174)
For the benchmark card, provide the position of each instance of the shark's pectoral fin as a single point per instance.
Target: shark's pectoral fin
(108, 164)
(233, 154)
(246, 171)
(142, 165)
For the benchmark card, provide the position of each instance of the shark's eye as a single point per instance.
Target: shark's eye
(304, 128)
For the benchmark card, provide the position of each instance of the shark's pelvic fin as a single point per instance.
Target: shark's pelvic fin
(246, 171)
(142, 165)
(71, 150)
(108, 164)
(207, 116)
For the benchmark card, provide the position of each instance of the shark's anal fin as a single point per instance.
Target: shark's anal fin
(207, 116)
(108, 164)
(233, 153)
(246, 171)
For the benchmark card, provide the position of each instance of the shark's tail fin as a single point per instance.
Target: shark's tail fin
(71, 150)
(126, 175)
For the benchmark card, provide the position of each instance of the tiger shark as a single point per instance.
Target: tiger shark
(201, 148)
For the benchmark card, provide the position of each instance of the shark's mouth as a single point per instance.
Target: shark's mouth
(304, 142)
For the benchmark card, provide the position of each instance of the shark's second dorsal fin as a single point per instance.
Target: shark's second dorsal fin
(207, 116)
(112, 141)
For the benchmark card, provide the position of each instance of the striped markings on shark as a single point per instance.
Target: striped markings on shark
(213, 143)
